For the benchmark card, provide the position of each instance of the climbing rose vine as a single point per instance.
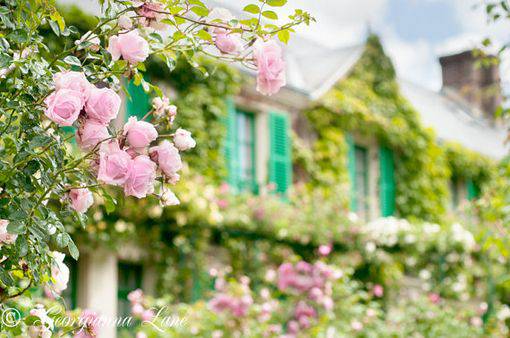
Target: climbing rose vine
(63, 145)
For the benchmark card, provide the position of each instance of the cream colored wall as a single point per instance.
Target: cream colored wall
(97, 285)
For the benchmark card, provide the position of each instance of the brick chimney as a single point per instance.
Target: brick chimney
(479, 85)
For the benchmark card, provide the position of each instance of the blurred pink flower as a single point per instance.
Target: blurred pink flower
(378, 290)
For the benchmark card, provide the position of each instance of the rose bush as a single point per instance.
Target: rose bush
(44, 183)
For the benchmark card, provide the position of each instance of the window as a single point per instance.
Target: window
(454, 193)
(129, 279)
(240, 150)
(361, 194)
(70, 294)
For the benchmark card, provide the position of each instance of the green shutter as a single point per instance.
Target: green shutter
(351, 162)
(231, 153)
(70, 294)
(472, 190)
(280, 161)
(387, 182)
(138, 102)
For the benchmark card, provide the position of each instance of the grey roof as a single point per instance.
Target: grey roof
(454, 120)
(314, 69)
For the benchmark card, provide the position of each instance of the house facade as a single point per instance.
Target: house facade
(259, 153)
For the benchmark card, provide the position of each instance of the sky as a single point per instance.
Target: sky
(414, 32)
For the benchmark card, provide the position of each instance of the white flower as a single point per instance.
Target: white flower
(168, 198)
(183, 140)
(59, 272)
(125, 22)
(504, 313)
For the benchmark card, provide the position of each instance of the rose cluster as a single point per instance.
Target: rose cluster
(138, 309)
(237, 299)
(267, 55)
(125, 159)
(314, 282)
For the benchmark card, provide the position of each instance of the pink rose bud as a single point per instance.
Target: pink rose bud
(168, 158)
(183, 140)
(113, 163)
(139, 133)
(90, 133)
(5, 236)
(228, 43)
(103, 105)
(73, 80)
(131, 46)
(169, 199)
(141, 177)
(125, 22)
(325, 250)
(271, 66)
(141, 335)
(64, 106)
(81, 199)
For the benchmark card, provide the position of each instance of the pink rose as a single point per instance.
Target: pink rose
(271, 66)
(90, 322)
(90, 133)
(137, 309)
(74, 81)
(168, 158)
(139, 133)
(141, 177)
(148, 315)
(131, 46)
(183, 140)
(59, 272)
(81, 199)
(325, 250)
(5, 236)
(113, 164)
(378, 291)
(151, 14)
(228, 43)
(64, 106)
(103, 105)
(136, 296)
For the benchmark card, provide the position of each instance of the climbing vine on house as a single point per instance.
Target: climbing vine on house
(368, 103)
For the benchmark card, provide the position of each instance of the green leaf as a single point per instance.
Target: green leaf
(109, 203)
(252, 8)
(72, 60)
(270, 15)
(16, 227)
(276, 3)
(6, 278)
(200, 11)
(73, 250)
(202, 34)
(284, 36)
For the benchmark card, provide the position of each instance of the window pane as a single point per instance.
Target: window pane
(246, 150)
(362, 181)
